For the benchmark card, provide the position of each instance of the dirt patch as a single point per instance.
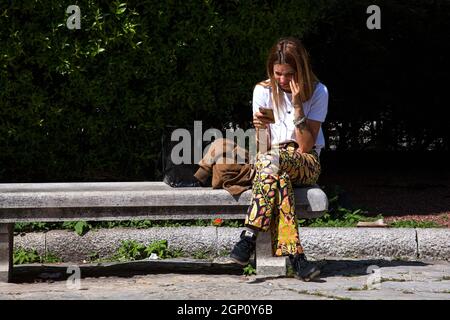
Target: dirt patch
(442, 220)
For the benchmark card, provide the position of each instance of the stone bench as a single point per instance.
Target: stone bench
(53, 202)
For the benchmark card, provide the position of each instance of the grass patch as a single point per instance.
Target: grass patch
(338, 214)
(131, 250)
(249, 270)
(340, 217)
(26, 256)
(201, 254)
(223, 253)
(51, 258)
(82, 227)
(347, 219)
(414, 224)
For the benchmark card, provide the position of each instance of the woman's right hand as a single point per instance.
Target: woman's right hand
(260, 121)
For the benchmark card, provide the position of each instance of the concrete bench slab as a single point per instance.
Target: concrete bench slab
(31, 202)
(27, 202)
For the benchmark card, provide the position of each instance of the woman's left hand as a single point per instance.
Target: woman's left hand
(295, 90)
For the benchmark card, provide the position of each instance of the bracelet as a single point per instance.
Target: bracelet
(300, 123)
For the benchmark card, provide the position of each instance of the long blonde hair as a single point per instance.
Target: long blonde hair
(290, 51)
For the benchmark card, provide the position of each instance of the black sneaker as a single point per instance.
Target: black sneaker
(304, 269)
(244, 248)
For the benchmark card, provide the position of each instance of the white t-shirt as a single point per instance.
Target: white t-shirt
(283, 130)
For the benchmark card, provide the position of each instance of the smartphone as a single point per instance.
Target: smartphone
(268, 113)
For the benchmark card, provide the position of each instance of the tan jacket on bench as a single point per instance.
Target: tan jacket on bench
(227, 173)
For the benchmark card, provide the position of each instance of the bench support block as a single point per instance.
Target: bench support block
(266, 263)
(6, 251)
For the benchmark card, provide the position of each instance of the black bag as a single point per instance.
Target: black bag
(179, 175)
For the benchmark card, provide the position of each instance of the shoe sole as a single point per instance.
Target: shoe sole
(235, 259)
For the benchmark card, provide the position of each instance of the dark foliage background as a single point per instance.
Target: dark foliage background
(93, 104)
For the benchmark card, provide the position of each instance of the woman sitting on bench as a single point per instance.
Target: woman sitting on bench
(288, 109)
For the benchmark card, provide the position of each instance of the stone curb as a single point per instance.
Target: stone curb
(319, 243)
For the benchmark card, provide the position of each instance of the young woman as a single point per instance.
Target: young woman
(299, 103)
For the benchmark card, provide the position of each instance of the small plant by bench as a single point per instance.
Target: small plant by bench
(24, 256)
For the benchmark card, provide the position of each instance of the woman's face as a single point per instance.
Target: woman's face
(283, 73)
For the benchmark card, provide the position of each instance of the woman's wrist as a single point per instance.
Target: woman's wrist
(297, 103)
(298, 113)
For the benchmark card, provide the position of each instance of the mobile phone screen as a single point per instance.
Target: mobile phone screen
(268, 113)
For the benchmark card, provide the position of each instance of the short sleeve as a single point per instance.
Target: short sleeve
(319, 104)
(260, 98)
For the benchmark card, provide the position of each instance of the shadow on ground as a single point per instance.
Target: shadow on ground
(50, 273)
(349, 268)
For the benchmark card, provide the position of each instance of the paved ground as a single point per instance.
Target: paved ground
(340, 279)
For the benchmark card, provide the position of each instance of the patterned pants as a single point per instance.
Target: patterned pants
(273, 203)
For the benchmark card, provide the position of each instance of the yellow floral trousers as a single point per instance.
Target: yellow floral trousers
(273, 204)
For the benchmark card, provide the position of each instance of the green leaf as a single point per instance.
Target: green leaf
(121, 8)
(249, 270)
(22, 256)
(81, 227)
